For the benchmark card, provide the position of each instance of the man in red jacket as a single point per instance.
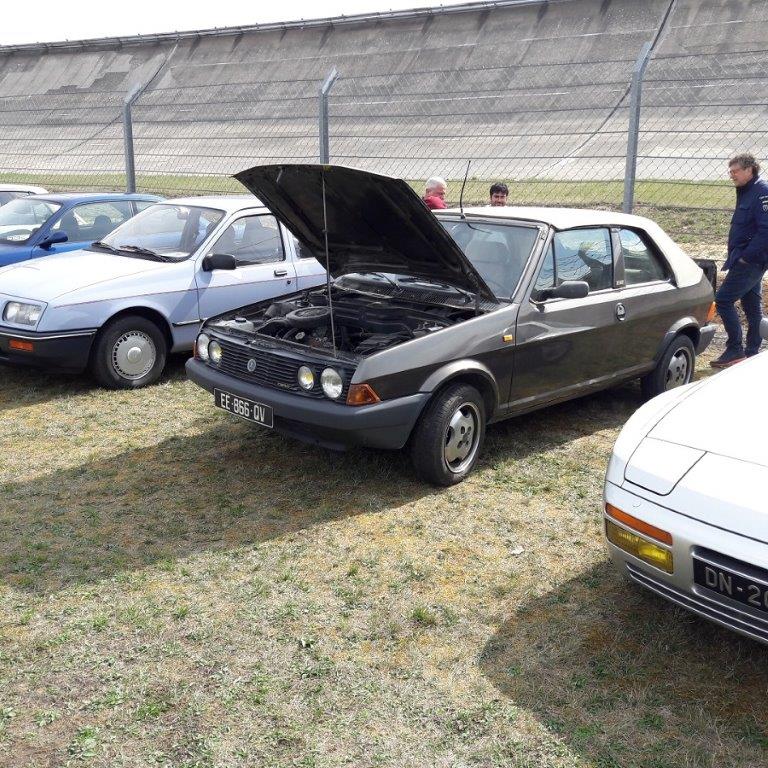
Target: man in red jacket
(434, 195)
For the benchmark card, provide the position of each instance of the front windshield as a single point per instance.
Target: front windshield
(21, 218)
(174, 231)
(499, 252)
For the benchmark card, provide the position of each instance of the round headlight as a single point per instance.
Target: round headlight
(202, 346)
(214, 352)
(306, 377)
(332, 383)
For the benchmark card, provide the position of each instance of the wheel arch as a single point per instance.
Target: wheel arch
(141, 311)
(687, 326)
(466, 372)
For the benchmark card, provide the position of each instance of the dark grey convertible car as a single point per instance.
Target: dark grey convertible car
(435, 327)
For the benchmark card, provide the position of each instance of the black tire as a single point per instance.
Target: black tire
(674, 369)
(440, 452)
(130, 352)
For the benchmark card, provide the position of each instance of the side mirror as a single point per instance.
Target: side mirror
(568, 289)
(53, 238)
(571, 289)
(764, 328)
(218, 261)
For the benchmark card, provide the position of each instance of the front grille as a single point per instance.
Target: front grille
(276, 369)
(729, 615)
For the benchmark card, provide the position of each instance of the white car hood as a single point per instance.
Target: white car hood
(707, 455)
(727, 415)
(726, 493)
(51, 277)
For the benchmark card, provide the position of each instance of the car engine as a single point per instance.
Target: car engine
(362, 325)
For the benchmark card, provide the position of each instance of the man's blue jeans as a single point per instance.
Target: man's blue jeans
(743, 281)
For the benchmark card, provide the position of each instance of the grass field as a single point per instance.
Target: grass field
(180, 589)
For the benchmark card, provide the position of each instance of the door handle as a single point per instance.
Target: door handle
(621, 312)
(281, 273)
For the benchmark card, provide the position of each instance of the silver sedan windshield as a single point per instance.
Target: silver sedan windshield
(175, 231)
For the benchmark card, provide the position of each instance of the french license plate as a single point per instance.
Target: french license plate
(241, 406)
(751, 592)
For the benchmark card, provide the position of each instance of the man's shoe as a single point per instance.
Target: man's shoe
(728, 359)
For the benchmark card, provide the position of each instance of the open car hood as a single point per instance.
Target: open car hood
(375, 223)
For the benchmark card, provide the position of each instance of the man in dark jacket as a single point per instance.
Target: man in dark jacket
(747, 261)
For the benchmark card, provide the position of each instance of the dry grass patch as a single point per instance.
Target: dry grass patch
(179, 589)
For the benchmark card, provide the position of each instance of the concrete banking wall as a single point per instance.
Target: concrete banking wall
(526, 90)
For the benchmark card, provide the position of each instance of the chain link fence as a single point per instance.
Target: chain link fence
(63, 140)
(555, 131)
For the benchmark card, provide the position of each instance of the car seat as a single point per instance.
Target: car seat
(226, 243)
(71, 227)
(102, 225)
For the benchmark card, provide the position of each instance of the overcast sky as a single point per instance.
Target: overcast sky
(54, 20)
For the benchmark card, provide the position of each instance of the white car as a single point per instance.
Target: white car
(10, 192)
(686, 514)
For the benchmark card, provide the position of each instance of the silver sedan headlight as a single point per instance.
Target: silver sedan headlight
(331, 383)
(23, 314)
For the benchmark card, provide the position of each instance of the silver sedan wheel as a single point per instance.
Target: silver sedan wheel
(679, 370)
(461, 437)
(133, 355)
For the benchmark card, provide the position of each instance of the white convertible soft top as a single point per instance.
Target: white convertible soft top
(687, 272)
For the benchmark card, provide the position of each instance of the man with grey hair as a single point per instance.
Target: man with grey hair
(434, 194)
(746, 263)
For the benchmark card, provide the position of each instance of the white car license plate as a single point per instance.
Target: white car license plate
(241, 406)
(738, 587)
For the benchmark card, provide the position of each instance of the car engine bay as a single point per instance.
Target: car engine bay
(362, 324)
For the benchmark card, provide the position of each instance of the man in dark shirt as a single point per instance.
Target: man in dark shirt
(498, 194)
(747, 261)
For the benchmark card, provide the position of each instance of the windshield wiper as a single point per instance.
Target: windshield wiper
(139, 251)
(392, 282)
(105, 246)
(467, 294)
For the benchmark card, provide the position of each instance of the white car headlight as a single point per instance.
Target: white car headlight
(331, 383)
(23, 314)
(202, 346)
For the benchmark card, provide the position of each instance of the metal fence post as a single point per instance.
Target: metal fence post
(634, 127)
(130, 168)
(325, 89)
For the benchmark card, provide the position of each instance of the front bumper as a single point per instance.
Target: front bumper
(64, 351)
(333, 425)
(706, 334)
(690, 537)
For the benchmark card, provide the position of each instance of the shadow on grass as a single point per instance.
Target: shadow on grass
(626, 679)
(22, 387)
(231, 486)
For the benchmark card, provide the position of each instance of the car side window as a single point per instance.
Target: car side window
(251, 240)
(641, 264)
(546, 278)
(142, 204)
(92, 221)
(584, 254)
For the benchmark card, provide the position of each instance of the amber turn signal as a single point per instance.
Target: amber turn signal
(22, 346)
(638, 525)
(711, 313)
(362, 394)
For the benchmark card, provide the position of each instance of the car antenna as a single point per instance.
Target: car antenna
(463, 184)
(328, 263)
